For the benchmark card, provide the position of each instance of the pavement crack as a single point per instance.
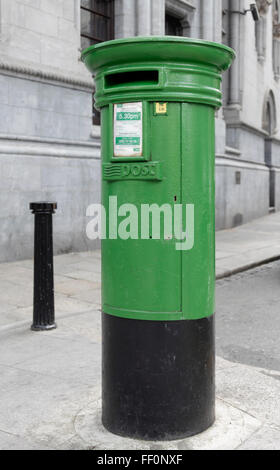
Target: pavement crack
(238, 408)
(9, 433)
(249, 437)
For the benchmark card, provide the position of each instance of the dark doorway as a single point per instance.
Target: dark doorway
(173, 26)
(269, 125)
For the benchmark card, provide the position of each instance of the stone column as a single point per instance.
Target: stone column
(139, 18)
(158, 17)
(211, 30)
(218, 7)
(235, 33)
(220, 122)
(207, 19)
(125, 18)
(143, 17)
(195, 26)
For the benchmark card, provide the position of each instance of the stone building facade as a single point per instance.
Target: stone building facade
(50, 135)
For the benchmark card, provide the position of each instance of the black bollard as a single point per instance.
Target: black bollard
(43, 294)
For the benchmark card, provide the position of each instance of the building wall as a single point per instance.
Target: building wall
(49, 148)
(247, 87)
(47, 151)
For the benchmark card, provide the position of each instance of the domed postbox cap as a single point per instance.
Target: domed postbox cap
(153, 68)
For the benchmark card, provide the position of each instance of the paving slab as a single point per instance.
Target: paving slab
(265, 438)
(12, 442)
(72, 287)
(93, 296)
(231, 428)
(15, 295)
(84, 275)
(69, 305)
(15, 314)
(89, 328)
(247, 246)
(50, 392)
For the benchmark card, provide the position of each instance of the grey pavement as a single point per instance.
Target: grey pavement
(50, 381)
(248, 246)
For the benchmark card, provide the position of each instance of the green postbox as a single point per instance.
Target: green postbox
(158, 97)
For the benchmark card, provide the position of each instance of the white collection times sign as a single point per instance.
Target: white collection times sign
(128, 130)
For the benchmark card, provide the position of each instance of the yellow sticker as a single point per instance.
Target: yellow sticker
(161, 108)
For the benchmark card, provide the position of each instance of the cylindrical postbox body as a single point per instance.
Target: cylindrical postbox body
(158, 97)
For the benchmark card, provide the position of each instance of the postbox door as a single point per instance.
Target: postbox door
(143, 275)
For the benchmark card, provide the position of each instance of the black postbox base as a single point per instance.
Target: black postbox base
(158, 378)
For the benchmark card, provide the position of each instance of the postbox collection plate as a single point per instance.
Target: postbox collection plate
(128, 129)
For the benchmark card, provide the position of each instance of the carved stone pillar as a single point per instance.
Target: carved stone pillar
(208, 20)
(235, 31)
(261, 28)
(158, 17)
(263, 6)
(276, 38)
(139, 18)
(143, 15)
(125, 18)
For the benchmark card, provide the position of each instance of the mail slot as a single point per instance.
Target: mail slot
(134, 78)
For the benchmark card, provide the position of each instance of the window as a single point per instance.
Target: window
(97, 25)
(173, 26)
(270, 126)
(269, 114)
(97, 21)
